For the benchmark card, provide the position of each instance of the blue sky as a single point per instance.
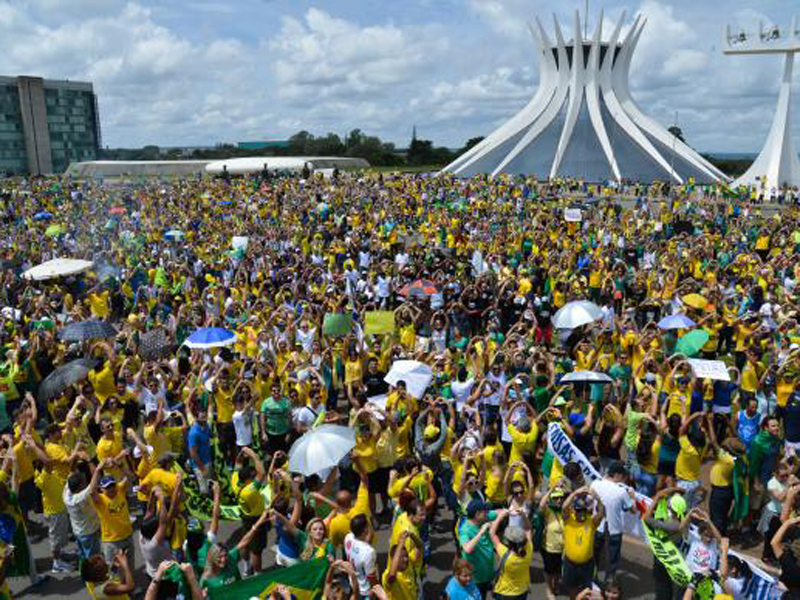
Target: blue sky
(198, 72)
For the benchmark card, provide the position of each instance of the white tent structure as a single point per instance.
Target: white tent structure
(583, 121)
(255, 164)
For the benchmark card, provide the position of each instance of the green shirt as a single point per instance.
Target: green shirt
(278, 415)
(230, 574)
(632, 433)
(482, 557)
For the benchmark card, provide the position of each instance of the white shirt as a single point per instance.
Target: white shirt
(461, 391)
(243, 424)
(700, 557)
(81, 511)
(306, 415)
(616, 501)
(364, 560)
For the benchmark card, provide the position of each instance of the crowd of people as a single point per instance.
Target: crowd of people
(151, 448)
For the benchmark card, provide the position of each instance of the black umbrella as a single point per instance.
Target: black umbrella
(155, 345)
(64, 376)
(87, 330)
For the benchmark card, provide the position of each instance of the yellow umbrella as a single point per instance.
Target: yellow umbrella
(695, 301)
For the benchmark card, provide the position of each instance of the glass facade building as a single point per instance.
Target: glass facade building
(46, 124)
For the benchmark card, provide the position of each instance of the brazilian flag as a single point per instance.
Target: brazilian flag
(305, 581)
(12, 531)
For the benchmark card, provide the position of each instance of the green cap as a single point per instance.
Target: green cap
(678, 505)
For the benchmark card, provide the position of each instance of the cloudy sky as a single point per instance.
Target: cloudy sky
(197, 72)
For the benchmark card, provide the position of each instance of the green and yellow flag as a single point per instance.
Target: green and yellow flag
(305, 580)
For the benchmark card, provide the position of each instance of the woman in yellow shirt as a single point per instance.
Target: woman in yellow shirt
(515, 555)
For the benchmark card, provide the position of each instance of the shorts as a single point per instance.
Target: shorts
(259, 541)
(576, 577)
(29, 496)
(552, 562)
(110, 550)
(58, 530)
(378, 480)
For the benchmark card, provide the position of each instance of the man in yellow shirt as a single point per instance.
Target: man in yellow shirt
(57, 452)
(580, 526)
(338, 522)
(252, 479)
(52, 485)
(116, 530)
(110, 446)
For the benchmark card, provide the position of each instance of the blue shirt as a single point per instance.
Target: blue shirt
(455, 591)
(200, 440)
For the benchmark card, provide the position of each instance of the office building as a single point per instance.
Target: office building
(46, 124)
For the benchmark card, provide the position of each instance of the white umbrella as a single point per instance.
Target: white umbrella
(587, 376)
(575, 314)
(416, 375)
(321, 448)
(57, 267)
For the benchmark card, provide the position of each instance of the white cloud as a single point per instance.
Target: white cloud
(324, 57)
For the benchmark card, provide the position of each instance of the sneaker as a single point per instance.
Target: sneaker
(60, 566)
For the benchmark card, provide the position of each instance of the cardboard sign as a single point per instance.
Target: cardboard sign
(710, 369)
(377, 322)
(573, 215)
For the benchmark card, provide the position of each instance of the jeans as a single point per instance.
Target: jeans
(662, 581)
(612, 553)
(88, 545)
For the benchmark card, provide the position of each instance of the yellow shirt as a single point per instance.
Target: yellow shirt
(340, 524)
(99, 304)
(59, 454)
(52, 487)
(579, 539)
(115, 521)
(515, 578)
(159, 440)
(24, 462)
(522, 442)
(224, 403)
(553, 531)
(404, 586)
(366, 452)
(401, 524)
(495, 490)
(109, 449)
(103, 382)
(162, 478)
(722, 471)
(251, 501)
(687, 465)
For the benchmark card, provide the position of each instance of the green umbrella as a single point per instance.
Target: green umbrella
(54, 230)
(691, 343)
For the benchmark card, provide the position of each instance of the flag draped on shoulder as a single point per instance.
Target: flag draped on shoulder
(305, 581)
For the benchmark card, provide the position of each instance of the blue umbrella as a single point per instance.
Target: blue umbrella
(174, 234)
(677, 321)
(210, 337)
(225, 202)
(42, 216)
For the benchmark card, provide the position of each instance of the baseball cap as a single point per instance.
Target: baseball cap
(431, 431)
(107, 482)
(678, 505)
(476, 506)
(559, 401)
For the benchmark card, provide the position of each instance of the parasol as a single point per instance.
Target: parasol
(321, 448)
(57, 267)
(87, 330)
(577, 313)
(64, 376)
